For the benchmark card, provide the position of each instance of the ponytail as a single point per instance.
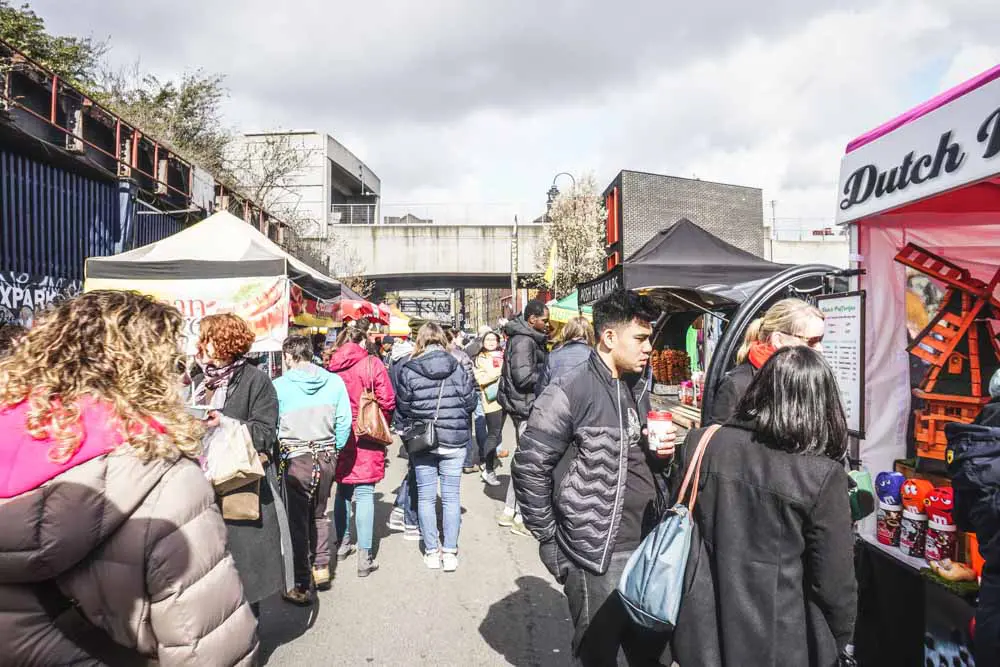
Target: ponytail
(787, 316)
(752, 336)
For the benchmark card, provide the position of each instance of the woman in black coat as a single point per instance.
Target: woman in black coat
(771, 580)
(787, 323)
(244, 393)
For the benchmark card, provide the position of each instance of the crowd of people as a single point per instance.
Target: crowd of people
(103, 490)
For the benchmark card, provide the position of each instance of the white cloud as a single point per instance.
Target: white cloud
(458, 102)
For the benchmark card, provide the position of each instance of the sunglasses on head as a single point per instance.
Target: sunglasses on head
(811, 342)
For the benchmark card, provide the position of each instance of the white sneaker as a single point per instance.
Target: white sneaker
(395, 521)
(490, 478)
(432, 560)
(411, 533)
(449, 561)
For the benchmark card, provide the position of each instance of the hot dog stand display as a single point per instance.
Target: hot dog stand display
(224, 265)
(921, 197)
(689, 272)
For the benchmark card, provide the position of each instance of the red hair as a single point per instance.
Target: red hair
(230, 334)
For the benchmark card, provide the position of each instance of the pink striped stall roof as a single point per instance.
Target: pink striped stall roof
(925, 108)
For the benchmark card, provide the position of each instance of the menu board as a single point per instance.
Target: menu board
(844, 349)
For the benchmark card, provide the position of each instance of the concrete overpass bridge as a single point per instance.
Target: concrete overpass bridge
(432, 256)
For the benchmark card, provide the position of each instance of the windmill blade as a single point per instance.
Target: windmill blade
(941, 269)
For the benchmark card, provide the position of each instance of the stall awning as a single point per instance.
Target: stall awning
(220, 246)
(681, 257)
(564, 309)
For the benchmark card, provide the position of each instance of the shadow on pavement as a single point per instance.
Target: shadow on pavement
(498, 493)
(383, 508)
(282, 623)
(531, 626)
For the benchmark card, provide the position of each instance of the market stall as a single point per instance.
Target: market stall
(563, 310)
(399, 322)
(693, 275)
(921, 195)
(222, 264)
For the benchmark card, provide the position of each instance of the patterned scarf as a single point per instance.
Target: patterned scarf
(217, 377)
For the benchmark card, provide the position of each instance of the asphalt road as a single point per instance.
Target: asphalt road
(500, 608)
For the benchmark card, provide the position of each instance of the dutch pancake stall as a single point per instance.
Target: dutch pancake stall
(921, 197)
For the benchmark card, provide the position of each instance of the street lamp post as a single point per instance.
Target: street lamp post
(552, 194)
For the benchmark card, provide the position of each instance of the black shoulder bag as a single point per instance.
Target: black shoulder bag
(421, 437)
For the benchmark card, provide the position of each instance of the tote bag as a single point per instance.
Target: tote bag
(652, 583)
(371, 423)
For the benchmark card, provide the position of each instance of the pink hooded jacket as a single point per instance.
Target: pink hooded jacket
(362, 462)
(139, 546)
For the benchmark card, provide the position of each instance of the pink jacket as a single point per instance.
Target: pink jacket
(362, 462)
(139, 545)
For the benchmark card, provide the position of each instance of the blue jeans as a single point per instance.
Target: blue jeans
(364, 513)
(448, 468)
(406, 497)
(475, 451)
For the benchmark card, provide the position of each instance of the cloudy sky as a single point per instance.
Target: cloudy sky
(482, 102)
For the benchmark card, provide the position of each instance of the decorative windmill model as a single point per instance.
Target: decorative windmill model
(959, 345)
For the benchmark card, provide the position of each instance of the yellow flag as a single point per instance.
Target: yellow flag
(550, 270)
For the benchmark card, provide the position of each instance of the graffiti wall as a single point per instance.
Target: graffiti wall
(24, 296)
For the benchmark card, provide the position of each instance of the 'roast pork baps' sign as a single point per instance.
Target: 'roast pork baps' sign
(954, 145)
(600, 287)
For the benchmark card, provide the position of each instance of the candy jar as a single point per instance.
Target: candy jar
(941, 530)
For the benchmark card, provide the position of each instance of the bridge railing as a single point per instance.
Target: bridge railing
(437, 213)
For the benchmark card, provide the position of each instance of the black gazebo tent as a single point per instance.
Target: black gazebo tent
(684, 259)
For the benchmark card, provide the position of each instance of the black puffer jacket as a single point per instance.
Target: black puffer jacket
(583, 510)
(420, 381)
(523, 362)
(975, 477)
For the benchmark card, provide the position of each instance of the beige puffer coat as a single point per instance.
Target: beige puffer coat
(140, 547)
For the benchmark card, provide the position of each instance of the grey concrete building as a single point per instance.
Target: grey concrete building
(640, 204)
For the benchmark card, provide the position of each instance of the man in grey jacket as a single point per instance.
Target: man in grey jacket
(613, 492)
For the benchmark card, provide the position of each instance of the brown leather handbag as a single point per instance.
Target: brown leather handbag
(242, 504)
(371, 424)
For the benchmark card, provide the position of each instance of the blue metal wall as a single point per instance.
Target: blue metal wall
(151, 228)
(51, 220)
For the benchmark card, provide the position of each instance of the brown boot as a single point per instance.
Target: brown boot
(299, 596)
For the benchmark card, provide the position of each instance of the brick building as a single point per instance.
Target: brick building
(641, 204)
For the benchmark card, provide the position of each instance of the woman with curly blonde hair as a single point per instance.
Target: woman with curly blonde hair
(112, 549)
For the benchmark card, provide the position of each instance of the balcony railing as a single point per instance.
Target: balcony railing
(353, 214)
(822, 235)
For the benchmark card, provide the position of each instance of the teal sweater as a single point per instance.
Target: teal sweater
(314, 411)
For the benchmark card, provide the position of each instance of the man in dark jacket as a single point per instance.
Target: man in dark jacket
(974, 465)
(524, 360)
(613, 491)
(523, 363)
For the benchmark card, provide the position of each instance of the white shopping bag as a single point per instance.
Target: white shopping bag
(230, 458)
